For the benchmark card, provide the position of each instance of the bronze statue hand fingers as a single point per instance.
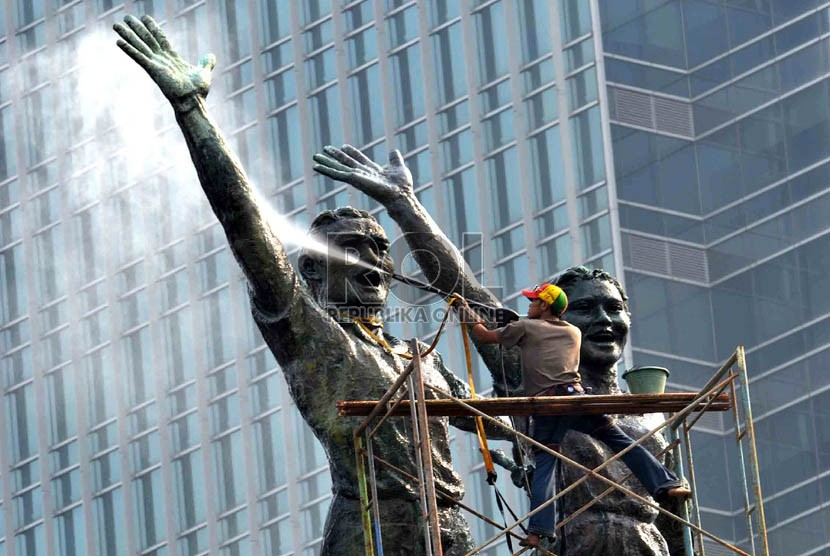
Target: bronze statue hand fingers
(396, 158)
(133, 40)
(330, 163)
(362, 158)
(143, 33)
(327, 171)
(340, 156)
(357, 177)
(133, 53)
(157, 33)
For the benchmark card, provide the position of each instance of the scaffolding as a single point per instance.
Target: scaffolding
(727, 391)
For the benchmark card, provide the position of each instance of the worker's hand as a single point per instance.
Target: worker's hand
(465, 314)
(179, 81)
(385, 184)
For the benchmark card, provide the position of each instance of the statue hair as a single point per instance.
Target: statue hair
(570, 276)
(328, 217)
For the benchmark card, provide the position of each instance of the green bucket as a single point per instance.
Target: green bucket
(646, 380)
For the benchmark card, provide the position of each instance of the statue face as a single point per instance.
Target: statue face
(597, 309)
(355, 284)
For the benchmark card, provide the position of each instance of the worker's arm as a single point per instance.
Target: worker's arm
(475, 325)
(482, 334)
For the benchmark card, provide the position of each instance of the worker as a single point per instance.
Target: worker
(550, 367)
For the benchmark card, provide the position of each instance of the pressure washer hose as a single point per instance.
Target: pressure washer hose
(500, 315)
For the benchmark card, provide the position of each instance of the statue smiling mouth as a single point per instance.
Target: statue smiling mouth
(602, 337)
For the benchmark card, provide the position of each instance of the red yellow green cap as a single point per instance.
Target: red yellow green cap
(550, 294)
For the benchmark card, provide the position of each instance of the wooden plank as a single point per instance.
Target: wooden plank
(555, 405)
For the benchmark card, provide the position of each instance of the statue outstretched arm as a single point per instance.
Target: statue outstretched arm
(442, 263)
(252, 241)
(392, 187)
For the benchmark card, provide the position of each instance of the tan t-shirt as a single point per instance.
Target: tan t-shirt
(550, 351)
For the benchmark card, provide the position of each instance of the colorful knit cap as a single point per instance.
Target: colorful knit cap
(550, 294)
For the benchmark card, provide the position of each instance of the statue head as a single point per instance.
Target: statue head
(362, 280)
(598, 306)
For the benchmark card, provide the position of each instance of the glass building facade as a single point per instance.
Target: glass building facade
(721, 139)
(141, 411)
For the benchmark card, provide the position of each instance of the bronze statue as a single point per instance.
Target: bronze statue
(325, 356)
(617, 525)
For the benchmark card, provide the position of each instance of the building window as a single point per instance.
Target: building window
(367, 120)
(218, 341)
(586, 135)
(325, 116)
(189, 490)
(50, 271)
(491, 40)
(534, 29)
(554, 255)
(409, 93)
(274, 20)
(149, 498)
(13, 290)
(358, 15)
(283, 130)
(460, 196)
(456, 150)
(228, 461)
(547, 168)
(21, 423)
(503, 182)
(235, 28)
(70, 537)
(109, 531)
(448, 61)
(60, 387)
(136, 351)
(498, 130)
(320, 69)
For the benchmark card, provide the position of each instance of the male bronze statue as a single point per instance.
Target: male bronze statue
(617, 525)
(325, 357)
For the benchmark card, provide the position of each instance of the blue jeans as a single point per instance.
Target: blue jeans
(550, 430)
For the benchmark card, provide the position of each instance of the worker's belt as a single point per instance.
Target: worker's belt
(570, 389)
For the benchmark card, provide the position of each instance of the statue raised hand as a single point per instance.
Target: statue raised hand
(179, 81)
(386, 185)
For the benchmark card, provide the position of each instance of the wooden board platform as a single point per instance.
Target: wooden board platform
(556, 405)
